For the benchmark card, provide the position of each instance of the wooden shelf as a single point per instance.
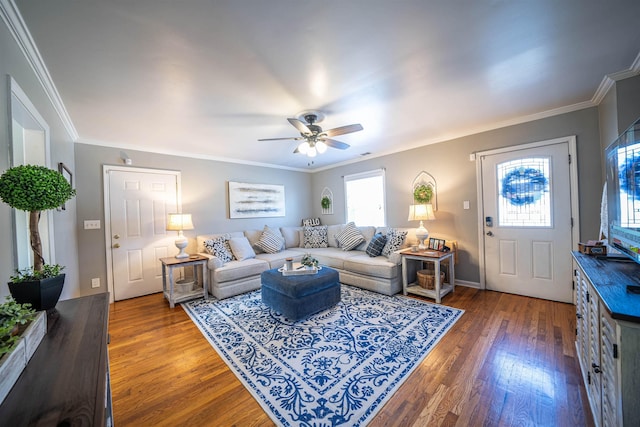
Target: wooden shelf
(414, 288)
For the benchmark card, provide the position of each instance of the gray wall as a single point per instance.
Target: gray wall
(455, 176)
(628, 102)
(204, 195)
(13, 62)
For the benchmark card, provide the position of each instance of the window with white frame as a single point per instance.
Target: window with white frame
(365, 198)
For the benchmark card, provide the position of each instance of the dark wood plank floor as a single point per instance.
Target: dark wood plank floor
(509, 360)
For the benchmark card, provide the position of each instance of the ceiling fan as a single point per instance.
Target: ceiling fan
(315, 140)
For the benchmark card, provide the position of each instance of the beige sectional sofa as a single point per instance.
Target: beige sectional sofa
(380, 274)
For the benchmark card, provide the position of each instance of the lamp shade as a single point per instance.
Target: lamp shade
(179, 222)
(421, 212)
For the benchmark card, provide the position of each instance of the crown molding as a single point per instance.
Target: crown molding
(608, 81)
(18, 29)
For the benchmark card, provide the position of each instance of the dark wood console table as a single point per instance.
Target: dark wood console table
(66, 382)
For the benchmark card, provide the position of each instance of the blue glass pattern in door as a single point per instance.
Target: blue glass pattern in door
(524, 198)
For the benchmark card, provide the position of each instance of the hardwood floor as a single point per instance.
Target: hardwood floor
(509, 360)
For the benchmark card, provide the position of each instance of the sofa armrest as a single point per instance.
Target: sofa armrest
(395, 257)
(213, 261)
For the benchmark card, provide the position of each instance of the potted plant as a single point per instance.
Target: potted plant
(309, 262)
(34, 189)
(13, 318)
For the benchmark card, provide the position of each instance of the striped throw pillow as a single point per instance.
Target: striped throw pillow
(349, 237)
(271, 241)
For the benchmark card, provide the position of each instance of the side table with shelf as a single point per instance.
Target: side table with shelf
(418, 258)
(170, 293)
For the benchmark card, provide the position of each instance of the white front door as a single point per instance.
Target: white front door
(138, 206)
(526, 205)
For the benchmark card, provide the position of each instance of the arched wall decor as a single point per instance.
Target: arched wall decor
(326, 193)
(423, 184)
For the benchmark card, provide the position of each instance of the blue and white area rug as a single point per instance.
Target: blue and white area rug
(335, 368)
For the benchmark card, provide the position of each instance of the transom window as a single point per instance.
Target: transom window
(524, 198)
(365, 198)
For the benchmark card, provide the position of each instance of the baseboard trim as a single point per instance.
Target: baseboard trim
(468, 284)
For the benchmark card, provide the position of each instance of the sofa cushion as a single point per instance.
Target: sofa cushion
(291, 236)
(315, 237)
(253, 236)
(235, 270)
(349, 237)
(277, 260)
(377, 266)
(395, 240)
(241, 248)
(271, 240)
(331, 257)
(367, 233)
(219, 247)
(376, 245)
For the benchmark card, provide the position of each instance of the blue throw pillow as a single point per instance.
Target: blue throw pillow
(377, 244)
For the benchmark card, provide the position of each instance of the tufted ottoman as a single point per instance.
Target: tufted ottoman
(296, 297)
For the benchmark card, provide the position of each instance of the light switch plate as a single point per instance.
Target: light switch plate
(92, 224)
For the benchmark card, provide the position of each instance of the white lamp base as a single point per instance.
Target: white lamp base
(422, 234)
(181, 243)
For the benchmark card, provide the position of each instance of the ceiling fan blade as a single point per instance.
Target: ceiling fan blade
(281, 139)
(300, 126)
(296, 151)
(335, 144)
(342, 130)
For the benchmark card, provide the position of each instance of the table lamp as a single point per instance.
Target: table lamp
(178, 222)
(422, 212)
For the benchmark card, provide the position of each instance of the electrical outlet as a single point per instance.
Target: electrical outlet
(92, 224)
(95, 282)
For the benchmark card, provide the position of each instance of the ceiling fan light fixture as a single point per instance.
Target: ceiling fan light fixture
(321, 147)
(312, 152)
(304, 147)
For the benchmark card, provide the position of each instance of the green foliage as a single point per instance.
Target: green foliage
(30, 275)
(34, 188)
(325, 202)
(423, 193)
(12, 314)
(309, 261)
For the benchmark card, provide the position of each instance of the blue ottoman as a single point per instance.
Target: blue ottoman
(296, 297)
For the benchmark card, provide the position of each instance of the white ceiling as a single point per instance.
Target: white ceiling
(209, 78)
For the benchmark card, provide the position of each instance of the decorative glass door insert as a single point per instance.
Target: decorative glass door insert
(524, 198)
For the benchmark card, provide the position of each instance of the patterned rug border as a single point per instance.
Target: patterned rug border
(386, 393)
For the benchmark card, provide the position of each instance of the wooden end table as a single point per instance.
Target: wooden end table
(169, 263)
(420, 257)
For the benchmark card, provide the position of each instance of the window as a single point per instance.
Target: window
(364, 198)
(524, 192)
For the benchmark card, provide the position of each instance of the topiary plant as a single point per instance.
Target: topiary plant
(34, 188)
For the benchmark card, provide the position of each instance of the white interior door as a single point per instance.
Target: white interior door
(526, 204)
(138, 206)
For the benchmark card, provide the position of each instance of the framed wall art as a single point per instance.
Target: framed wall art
(66, 172)
(255, 200)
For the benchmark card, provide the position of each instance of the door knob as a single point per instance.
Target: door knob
(116, 236)
(489, 233)
(116, 246)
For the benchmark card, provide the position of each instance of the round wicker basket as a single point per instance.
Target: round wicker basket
(426, 279)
